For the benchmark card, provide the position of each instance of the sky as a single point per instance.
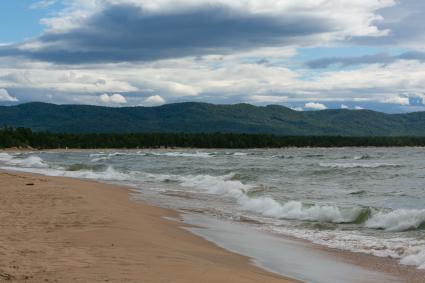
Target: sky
(306, 55)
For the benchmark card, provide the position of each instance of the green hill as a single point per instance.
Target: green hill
(209, 118)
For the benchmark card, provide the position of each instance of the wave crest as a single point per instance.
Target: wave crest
(27, 162)
(398, 220)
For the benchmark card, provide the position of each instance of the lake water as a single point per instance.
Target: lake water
(368, 200)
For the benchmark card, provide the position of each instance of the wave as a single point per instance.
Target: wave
(101, 156)
(166, 154)
(182, 154)
(240, 154)
(267, 206)
(398, 220)
(108, 174)
(357, 165)
(248, 196)
(281, 156)
(254, 198)
(362, 157)
(84, 167)
(408, 251)
(99, 159)
(26, 162)
(35, 164)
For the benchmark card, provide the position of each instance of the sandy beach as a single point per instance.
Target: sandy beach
(64, 230)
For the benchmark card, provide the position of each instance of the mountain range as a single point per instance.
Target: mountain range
(193, 117)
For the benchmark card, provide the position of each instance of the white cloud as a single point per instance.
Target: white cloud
(61, 79)
(182, 89)
(397, 100)
(343, 106)
(315, 106)
(5, 96)
(217, 79)
(358, 108)
(112, 99)
(154, 100)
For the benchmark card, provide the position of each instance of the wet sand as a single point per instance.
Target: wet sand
(282, 255)
(56, 229)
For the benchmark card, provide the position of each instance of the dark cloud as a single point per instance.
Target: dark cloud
(381, 58)
(127, 33)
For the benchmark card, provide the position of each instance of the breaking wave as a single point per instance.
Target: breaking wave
(398, 220)
(26, 162)
(362, 157)
(259, 201)
(182, 154)
(265, 205)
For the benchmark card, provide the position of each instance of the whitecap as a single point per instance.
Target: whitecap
(398, 220)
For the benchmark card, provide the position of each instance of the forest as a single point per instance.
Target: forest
(26, 138)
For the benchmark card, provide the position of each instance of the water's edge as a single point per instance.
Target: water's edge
(291, 258)
(287, 257)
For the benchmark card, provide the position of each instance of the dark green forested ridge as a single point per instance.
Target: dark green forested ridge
(26, 138)
(210, 118)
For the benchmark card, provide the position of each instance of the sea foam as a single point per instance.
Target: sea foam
(398, 220)
(266, 205)
(27, 162)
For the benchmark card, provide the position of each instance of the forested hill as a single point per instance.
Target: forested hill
(209, 118)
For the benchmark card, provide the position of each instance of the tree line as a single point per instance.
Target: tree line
(26, 138)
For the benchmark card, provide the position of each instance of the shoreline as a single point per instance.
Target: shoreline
(365, 261)
(59, 229)
(29, 150)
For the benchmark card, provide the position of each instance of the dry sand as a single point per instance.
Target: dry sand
(65, 230)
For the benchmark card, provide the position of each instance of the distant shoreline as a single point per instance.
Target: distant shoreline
(24, 138)
(194, 117)
(29, 150)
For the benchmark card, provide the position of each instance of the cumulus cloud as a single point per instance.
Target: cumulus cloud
(315, 106)
(112, 99)
(154, 100)
(5, 96)
(142, 30)
(221, 80)
(343, 106)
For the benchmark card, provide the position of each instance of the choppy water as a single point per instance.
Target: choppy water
(365, 200)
